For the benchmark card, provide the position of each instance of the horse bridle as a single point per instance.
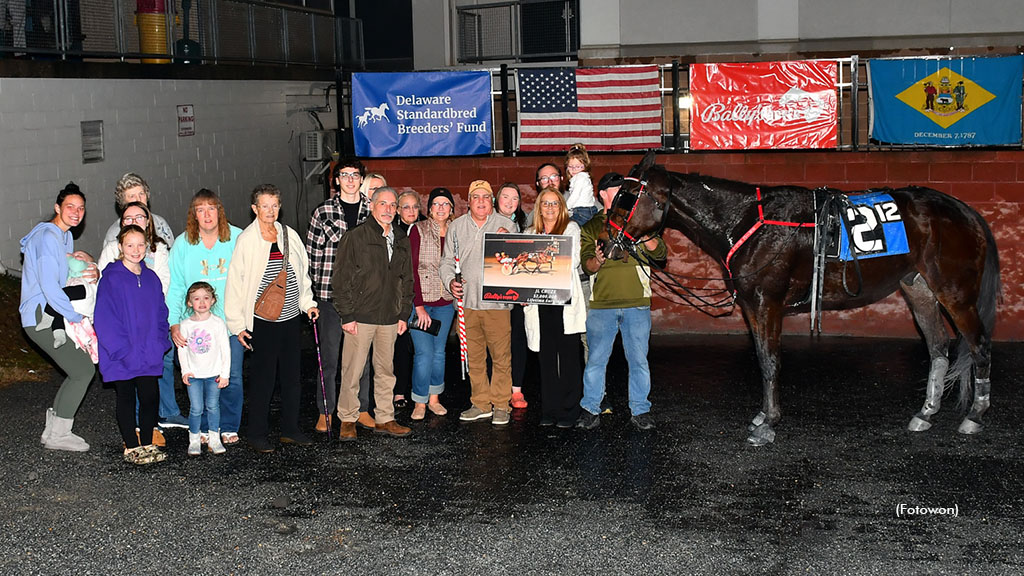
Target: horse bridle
(625, 240)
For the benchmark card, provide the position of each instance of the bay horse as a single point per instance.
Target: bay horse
(763, 237)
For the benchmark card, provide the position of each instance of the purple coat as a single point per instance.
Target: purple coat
(131, 323)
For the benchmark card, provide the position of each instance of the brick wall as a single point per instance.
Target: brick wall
(990, 181)
(246, 133)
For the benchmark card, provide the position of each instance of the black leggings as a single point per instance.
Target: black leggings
(148, 393)
(274, 360)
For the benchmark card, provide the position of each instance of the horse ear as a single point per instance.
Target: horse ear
(648, 160)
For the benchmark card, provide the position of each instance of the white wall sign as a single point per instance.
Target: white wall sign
(186, 120)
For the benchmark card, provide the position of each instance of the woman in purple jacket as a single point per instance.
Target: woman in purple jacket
(131, 326)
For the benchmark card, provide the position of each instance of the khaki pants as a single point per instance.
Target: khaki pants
(353, 359)
(489, 331)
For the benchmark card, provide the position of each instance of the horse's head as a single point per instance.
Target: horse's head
(638, 211)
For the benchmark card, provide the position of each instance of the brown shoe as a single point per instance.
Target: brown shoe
(392, 428)
(158, 438)
(323, 423)
(348, 432)
(366, 421)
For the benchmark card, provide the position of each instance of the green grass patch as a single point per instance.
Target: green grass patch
(19, 359)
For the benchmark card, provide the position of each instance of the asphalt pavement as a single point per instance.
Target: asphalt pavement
(845, 489)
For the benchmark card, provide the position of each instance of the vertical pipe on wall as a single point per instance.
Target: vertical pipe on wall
(676, 138)
(506, 122)
(855, 102)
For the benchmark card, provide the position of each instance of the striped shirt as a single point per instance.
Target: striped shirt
(291, 294)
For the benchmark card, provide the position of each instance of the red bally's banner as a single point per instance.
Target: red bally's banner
(763, 105)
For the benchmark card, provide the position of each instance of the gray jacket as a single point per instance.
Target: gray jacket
(470, 238)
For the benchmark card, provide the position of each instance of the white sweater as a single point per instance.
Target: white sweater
(208, 352)
(574, 315)
(248, 262)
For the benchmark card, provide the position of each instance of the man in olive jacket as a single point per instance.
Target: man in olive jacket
(372, 284)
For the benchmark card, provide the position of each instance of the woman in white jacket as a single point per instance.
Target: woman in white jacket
(554, 330)
(258, 259)
(158, 254)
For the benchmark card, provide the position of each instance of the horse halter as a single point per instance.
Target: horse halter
(624, 239)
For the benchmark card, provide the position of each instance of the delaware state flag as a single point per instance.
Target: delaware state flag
(946, 101)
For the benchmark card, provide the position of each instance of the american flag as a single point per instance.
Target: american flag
(615, 108)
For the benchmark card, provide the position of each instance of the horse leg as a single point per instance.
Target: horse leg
(766, 327)
(975, 351)
(925, 308)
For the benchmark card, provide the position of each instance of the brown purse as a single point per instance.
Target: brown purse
(271, 301)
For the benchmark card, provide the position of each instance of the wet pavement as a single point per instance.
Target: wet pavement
(843, 490)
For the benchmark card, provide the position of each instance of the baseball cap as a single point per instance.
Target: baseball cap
(610, 180)
(481, 185)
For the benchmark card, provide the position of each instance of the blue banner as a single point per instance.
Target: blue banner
(421, 114)
(946, 101)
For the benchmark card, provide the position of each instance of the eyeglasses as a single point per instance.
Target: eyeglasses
(474, 197)
(551, 204)
(441, 205)
(349, 175)
(544, 179)
(141, 218)
(411, 207)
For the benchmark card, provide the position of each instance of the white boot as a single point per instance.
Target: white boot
(214, 442)
(48, 429)
(61, 437)
(195, 447)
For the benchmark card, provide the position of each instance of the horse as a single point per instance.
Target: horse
(377, 112)
(764, 240)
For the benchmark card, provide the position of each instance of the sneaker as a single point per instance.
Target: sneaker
(475, 413)
(519, 401)
(500, 418)
(588, 421)
(176, 421)
(546, 421)
(643, 421)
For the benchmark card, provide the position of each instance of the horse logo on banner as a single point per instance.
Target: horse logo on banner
(374, 113)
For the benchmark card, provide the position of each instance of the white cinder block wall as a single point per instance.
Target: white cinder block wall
(246, 133)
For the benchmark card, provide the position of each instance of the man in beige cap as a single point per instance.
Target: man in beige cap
(488, 328)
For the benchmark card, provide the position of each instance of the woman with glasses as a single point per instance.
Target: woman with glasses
(431, 304)
(408, 214)
(157, 252)
(554, 330)
(273, 335)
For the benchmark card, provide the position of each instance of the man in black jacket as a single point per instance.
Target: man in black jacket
(372, 285)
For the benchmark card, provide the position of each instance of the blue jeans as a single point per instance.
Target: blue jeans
(583, 214)
(204, 396)
(602, 325)
(428, 359)
(231, 397)
(168, 404)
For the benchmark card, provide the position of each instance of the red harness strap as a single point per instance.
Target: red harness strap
(760, 222)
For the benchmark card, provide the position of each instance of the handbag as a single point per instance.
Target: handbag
(271, 301)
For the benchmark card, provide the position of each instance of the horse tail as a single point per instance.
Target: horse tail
(991, 287)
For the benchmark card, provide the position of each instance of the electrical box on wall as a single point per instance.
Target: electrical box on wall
(313, 146)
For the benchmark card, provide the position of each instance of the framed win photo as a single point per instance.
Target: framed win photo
(528, 268)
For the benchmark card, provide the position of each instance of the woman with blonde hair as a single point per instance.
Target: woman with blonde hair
(554, 330)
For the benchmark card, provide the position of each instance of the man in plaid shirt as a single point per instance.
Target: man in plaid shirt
(345, 209)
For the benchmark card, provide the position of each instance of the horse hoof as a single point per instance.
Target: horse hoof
(918, 425)
(969, 426)
(761, 435)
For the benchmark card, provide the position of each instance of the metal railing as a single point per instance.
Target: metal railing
(153, 31)
(518, 30)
